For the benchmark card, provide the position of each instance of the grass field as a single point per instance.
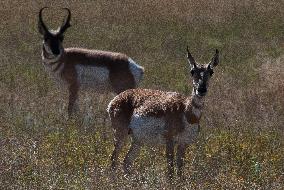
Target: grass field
(241, 144)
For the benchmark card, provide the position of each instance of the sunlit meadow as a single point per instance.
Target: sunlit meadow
(241, 142)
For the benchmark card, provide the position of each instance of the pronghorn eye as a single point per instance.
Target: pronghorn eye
(211, 72)
(192, 72)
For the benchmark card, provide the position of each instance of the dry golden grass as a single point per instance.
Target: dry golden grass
(241, 143)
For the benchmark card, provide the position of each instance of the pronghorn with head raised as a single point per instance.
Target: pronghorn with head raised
(155, 117)
(77, 67)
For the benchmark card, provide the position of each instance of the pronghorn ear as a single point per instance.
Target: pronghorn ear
(190, 59)
(215, 60)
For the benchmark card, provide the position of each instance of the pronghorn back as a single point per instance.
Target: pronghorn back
(103, 70)
(147, 102)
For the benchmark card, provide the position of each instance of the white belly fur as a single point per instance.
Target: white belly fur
(150, 131)
(93, 77)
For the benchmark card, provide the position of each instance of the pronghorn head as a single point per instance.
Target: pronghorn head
(53, 39)
(201, 73)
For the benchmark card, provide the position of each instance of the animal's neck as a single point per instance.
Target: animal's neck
(196, 100)
(193, 108)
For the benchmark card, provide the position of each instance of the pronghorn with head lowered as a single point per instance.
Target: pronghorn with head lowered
(77, 68)
(155, 117)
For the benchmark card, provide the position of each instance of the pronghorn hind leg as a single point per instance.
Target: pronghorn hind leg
(170, 158)
(118, 144)
(130, 156)
(180, 159)
(105, 114)
(73, 100)
(120, 120)
(120, 135)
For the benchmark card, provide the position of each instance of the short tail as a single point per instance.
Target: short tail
(136, 70)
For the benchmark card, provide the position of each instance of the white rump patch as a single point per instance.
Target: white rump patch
(109, 106)
(148, 130)
(136, 70)
(92, 76)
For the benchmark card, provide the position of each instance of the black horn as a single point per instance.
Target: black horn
(42, 27)
(215, 60)
(190, 58)
(66, 23)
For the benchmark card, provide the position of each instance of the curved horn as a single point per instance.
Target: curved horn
(215, 60)
(42, 27)
(66, 23)
(190, 58)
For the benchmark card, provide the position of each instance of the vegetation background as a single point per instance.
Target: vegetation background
(241, 145)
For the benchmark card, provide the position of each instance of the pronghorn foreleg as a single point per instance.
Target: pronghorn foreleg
(180, 158)
(73, 99)
(131, 156)
(170, 158)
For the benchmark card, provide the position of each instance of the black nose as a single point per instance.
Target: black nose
(55, 47)
(55, 51)
(202, 90)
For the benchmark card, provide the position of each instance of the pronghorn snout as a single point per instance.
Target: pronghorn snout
(55, 47)
(202, 91)
(202, 88)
